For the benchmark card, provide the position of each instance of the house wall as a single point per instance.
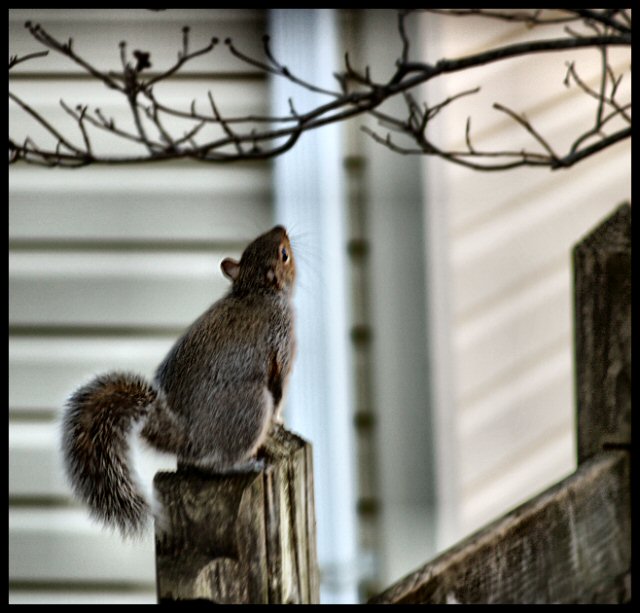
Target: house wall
(106, 267)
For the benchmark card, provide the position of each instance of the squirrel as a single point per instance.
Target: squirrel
(211, 402)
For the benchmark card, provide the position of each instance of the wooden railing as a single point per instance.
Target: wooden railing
(572, 543)
(251, 538)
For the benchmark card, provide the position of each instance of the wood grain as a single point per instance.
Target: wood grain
(572, 543)
(602, 264)
(246, 538)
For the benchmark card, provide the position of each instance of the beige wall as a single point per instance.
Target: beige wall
(508, 238)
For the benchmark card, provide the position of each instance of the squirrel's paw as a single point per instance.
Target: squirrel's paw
(250, 466)
(205, 465)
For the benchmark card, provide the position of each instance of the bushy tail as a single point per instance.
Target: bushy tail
(99, 418)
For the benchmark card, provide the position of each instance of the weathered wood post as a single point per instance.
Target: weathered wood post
(602, 267)
(245, 538)
(572, 543)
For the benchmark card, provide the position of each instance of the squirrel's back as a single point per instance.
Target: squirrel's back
(236, 346)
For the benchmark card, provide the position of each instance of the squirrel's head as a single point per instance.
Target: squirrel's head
(266, 265)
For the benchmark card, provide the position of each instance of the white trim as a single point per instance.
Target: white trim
(438, 280)
(310, 201)
(400, 301)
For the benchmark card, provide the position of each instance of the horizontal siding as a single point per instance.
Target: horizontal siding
(511, 235)
(59, 364)
(106, 267)
(495, 342)
(139, 289)
(536, 468)
(535, 233)
(36, 471)
(78, 549)
(71, 596)
(179, 204)
(514, 416)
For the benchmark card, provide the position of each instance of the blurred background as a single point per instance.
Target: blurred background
(434, 377)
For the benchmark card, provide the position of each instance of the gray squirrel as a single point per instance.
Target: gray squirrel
(212, 401)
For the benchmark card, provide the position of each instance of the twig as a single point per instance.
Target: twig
(571, 72)
(109, 126)
(154, 116)
(404, 56)
(188, 136)
(276, 68)
(593, 132)
(80, 117)
(522, 120)
(44, 123)
(49, 41)
(14, 59)
(531, 19)
(467, 135)
(227, 130)
(589, 15)
(183, 57)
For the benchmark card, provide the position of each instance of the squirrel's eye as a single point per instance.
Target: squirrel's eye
(285, 254)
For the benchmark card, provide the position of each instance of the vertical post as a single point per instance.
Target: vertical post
(245, 538)
(602, 310)
(602, 268)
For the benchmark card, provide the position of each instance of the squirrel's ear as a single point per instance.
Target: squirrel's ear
(230, 268)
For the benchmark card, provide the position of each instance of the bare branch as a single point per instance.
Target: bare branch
(152, 113)
(522, 120)
(603, 88)
(276, 68)
(580, 154)
(188, 136)
(80, 118)
(227, 130)
(14, 59)
(593, 132)
(531, 19)
(183, 58)
(461, 157)
(572, 74)
(257, 137)
(66, 49)
(404, 56)
(603, 18)
(109, 125)
(44, 123)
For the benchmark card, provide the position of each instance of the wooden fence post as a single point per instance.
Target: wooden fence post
(602, 268)
(245, 538)
(572, 543)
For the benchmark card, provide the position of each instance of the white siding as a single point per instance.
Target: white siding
(106, 266)
(510, 236)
